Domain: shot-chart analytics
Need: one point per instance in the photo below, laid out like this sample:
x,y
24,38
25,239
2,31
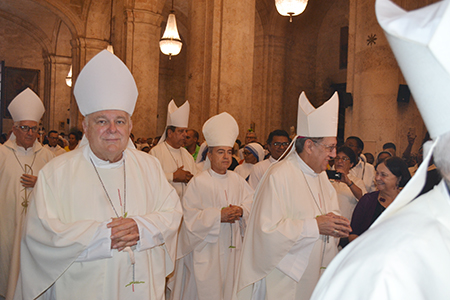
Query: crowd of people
x,y
105,216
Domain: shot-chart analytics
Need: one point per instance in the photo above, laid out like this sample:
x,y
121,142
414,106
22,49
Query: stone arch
x,y
66,14
31,29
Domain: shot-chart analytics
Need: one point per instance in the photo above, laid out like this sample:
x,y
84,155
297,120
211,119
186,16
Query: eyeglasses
x,y
337,158
279,144
26,128
247,153
329,148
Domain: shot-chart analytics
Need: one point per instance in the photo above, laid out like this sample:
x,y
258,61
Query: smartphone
x,y
333,174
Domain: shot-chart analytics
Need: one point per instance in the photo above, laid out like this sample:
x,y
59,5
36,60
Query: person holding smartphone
x,y
349,188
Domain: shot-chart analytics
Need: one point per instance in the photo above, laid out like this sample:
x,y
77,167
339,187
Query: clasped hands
x,y
181,175
231,214
124,233
28,180
334,225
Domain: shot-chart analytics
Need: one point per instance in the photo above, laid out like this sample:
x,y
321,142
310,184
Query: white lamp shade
x,y
69,77
290,7
170,43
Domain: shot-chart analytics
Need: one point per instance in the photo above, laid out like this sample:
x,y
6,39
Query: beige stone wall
x,y
373,79
328,44
19,50
238,56
312,55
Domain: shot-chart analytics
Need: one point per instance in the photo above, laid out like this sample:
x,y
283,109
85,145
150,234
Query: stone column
x,y
268,80
142,34
220,60
373,77
57,93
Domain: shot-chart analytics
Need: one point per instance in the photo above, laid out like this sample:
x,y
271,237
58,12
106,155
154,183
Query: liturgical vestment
x,y
208,249
171,159
283,253
66,248
14,198
406,256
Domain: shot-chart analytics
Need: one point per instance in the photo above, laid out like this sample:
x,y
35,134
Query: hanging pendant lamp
x,y
69,77
170,44
290,8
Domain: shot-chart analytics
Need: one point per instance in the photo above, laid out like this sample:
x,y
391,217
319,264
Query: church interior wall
x,y
20,50
373,79
328,71
286,58
301,59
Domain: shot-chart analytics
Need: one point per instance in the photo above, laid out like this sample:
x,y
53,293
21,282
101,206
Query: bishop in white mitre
x,y
295,223
21,158
103,220
216,206
177,163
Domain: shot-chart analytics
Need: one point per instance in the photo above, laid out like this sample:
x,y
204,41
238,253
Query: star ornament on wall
x,y
371,39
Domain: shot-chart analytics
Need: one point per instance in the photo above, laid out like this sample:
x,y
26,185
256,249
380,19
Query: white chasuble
x,y
171,159
14,199
66,252
209,250
405,256
283,253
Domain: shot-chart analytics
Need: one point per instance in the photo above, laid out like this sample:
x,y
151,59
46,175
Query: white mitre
x,y
105,83
317,122
220,130
27,106
176,116
420,40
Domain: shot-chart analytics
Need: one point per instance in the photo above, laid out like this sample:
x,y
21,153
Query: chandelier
x,y
69,77
170,44
290,8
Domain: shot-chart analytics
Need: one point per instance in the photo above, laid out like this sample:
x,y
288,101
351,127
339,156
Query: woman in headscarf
x,y
253,153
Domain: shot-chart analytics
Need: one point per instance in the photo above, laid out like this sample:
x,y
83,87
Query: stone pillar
x,y
142,34
57,93
373,77
220,60
268,80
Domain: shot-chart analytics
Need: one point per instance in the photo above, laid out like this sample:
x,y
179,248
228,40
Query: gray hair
x,y
300,142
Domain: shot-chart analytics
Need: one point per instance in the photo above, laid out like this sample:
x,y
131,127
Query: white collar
x,y
305,168
100,163
172,148
215,174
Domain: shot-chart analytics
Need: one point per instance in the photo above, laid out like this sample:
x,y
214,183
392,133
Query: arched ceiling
x,y
42,19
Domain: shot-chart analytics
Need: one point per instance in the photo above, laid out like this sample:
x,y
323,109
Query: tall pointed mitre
x,y
27,106
220,130
420,40
317,122
176,116
105,83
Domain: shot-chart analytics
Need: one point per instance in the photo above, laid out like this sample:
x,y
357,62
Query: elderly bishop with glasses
x,y
295,223
21,158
